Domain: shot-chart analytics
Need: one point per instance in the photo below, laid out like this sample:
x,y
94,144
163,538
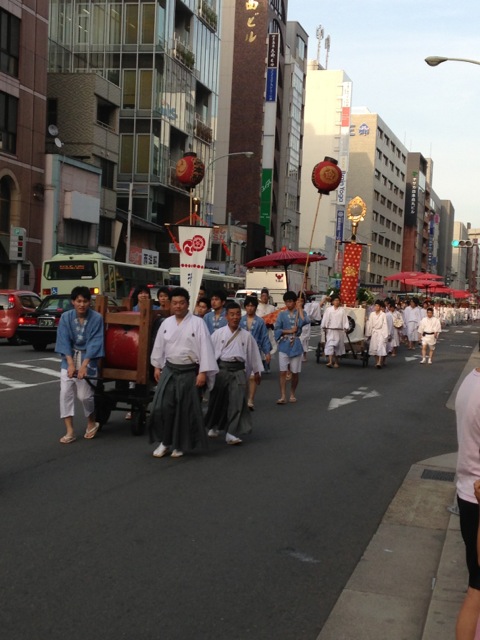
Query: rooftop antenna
x,y
320,34
327,49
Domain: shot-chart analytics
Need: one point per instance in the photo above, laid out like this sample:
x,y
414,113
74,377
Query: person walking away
x,y
80,342
215,319
467,410
238,356
184,362
428,331
334,324
288,328
258,329
377,330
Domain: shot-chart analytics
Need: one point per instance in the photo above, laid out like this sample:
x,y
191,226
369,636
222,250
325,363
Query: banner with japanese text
x,y
194,246
350,273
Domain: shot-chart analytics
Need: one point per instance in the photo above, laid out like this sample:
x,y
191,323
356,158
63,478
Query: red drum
x,y
121,347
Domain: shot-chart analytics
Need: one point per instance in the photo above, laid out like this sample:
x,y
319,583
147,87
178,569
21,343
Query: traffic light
x,y
20,248
462,244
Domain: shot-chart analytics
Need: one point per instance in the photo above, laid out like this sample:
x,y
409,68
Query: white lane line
x,y
14,384
18,365
21,385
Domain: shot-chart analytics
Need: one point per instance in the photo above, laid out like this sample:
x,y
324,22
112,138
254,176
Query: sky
x,y
381,45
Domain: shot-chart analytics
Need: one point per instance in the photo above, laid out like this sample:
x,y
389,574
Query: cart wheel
x,y
102,411
139,420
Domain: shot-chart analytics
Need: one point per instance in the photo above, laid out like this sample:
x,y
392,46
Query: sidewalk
x,y
412,577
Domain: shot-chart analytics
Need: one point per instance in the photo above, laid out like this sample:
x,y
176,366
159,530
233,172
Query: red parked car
x,y
13,304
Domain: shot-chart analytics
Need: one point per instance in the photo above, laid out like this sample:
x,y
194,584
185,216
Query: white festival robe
x,y
242,348
431,326
335,323
412,317
185,343
377,331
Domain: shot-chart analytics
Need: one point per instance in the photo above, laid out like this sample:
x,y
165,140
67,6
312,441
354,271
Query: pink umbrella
x,y
284,258
458,293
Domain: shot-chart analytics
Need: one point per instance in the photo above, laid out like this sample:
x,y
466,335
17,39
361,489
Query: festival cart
x,y
356,346
125,382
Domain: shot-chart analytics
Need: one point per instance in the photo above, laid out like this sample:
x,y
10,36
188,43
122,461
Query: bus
x,y
99,273
212,280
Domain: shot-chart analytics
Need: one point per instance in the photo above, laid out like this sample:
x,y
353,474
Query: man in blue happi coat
x,y
257,327
80,342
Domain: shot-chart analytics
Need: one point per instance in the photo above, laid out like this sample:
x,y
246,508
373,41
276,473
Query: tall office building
x,y
23,84
164,57
262,73
326,133
377,173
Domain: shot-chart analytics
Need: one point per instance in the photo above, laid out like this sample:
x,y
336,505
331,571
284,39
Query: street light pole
x,y
208,181
434,61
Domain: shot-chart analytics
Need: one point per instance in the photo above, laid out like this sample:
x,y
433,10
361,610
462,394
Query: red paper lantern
x,y
326,175
190,170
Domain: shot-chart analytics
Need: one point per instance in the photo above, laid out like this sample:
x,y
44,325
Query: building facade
x,y
163,57
377,173
23,91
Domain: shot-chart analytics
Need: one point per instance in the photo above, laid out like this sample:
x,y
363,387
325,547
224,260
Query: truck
x,y
275,280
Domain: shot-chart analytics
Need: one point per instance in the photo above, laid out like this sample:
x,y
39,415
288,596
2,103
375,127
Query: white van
x,y
241,294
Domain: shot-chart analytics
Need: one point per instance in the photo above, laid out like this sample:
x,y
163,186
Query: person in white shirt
x,y
238,357
428,331
335,324
264,308
412,316
184,362
467,409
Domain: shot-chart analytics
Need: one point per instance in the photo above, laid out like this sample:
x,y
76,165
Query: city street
x,y
101,540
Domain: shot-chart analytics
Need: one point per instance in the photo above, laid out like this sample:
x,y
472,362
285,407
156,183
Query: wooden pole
x,y
311,241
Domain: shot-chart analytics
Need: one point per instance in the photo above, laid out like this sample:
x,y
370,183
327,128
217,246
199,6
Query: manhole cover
x,y
446,476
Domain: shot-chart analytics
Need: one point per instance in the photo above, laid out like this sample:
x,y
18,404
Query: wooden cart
x,y
127,369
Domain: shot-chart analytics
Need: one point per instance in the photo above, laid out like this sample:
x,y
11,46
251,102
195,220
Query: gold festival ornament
x,y
356,212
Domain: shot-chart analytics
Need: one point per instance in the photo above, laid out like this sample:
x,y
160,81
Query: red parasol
x,y
411,275
283,258
458,293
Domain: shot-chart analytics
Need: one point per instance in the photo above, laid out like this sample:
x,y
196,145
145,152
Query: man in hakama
x,y
428,331
335,324
238,357
80,342
377,330
184,362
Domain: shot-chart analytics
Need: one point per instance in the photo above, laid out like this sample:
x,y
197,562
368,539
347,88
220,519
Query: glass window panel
x,y
145,90
128,101
126,153
143,154
98,24
115,24
131,24
148,23
82,23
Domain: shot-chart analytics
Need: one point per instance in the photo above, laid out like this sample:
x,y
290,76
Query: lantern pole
x,y
311,242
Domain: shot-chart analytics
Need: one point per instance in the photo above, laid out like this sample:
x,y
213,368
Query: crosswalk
x,y
28,373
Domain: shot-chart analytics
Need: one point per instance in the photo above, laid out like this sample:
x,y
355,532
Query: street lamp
x,y
434,61
208,181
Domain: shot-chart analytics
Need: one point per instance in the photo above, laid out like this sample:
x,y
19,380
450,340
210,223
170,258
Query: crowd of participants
x,y
217,355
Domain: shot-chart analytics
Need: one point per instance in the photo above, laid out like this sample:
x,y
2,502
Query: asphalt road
x,y
101,540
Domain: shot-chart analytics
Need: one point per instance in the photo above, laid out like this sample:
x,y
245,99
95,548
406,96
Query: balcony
x,y
183,53
203,131
207,15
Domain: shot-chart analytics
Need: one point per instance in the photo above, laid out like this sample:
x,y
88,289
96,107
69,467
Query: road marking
x,y
362,393
21,385
15,384
19,365
462,331
410,358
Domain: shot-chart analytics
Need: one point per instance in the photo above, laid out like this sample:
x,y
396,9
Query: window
x,y
131,23
389,204
387,243
380,240
126,153
9,43
105,231
375,216
143,154
388,224
392,264
391,165
8,123
382,220
382,199
379,279
380,260
377,174
108,174
394,226
376,195
5,202
374,236
373,257
371,277
128,100
379,154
